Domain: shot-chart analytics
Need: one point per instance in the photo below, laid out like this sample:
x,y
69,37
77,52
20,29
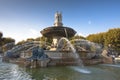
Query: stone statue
x,y
58,19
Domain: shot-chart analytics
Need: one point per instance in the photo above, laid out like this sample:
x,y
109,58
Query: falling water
x,y
80,67
0,58
78,60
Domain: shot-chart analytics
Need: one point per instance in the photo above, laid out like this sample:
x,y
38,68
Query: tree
x,y
97,38
112,37
1,34
30,40
7,43
21,42
77,37
4,41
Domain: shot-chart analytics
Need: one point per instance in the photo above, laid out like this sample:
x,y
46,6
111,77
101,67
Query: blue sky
x,y
22,19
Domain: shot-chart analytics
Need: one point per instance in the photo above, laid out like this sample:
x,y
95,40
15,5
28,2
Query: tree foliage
x,y
42,39
5,40
6,43
1,34
112,37
97,38
77,37
21,42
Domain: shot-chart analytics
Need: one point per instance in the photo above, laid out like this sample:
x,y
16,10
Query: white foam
x,y
81,70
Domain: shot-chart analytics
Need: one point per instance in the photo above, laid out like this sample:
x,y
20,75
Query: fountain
x,y
70,47
57,31
62,51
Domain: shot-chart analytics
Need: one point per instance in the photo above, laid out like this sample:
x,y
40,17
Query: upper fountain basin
x,y
58,31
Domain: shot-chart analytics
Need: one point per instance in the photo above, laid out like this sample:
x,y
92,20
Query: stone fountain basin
x,y
60,54
61,58
58,31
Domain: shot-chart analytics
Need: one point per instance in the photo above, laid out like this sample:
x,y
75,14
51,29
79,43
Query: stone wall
x,y
60,54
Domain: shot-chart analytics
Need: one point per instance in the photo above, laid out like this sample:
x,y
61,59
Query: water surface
x,y
96,72
10,71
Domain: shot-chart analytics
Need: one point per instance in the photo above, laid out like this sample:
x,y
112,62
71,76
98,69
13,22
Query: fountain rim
x,y
57,29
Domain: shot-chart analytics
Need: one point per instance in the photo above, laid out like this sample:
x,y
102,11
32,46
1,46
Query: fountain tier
x,y
58,30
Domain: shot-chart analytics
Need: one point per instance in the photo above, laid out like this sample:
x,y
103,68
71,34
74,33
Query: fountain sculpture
x,y
58,30
59,33
62,51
